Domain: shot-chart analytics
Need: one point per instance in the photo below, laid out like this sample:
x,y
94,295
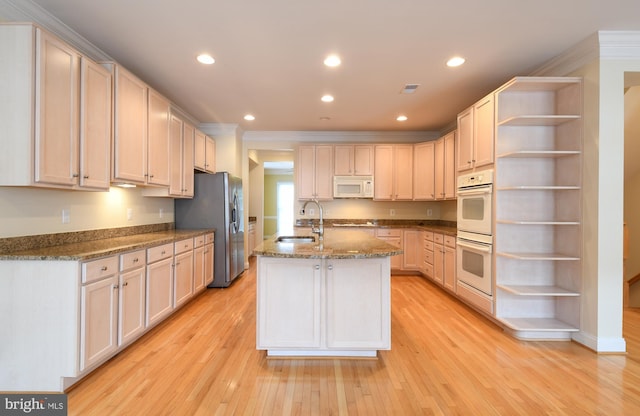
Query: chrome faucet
x,y
320,229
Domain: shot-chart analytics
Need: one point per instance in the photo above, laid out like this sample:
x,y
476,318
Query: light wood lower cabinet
x,y
392,236
183,272
294,295
159,283
132,293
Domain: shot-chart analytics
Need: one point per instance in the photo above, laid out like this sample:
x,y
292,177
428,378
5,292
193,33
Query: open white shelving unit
x,y
538,216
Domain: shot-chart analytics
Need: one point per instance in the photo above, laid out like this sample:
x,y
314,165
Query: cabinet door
x,y
183,278
449,268
413,248
95,125
187,160
439,168
131,320
130,136
424,173
98,321
198,269
56,138
305,172
465,139
288,303
483,120
449,168
208,264
159,291
175,161
324,172
363,159
383,176
210,152
353,320
199,150
343,158
403,172
438,263
158,140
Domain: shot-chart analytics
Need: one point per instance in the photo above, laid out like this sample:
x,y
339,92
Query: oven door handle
x,y
476,191
477,247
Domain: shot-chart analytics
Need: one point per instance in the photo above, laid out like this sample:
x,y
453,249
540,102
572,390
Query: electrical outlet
x,y
312,211
392,212
66,216
129,214
429,212
161,213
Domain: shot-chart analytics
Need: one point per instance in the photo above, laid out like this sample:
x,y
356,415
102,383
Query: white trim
x,y
341,136
619,44
218,129
601,345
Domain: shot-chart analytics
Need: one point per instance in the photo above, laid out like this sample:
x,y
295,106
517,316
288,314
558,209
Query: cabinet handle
x,y
125,284
136,260
330,267
104,268
115,287
150,176
75,175
316,267
163,252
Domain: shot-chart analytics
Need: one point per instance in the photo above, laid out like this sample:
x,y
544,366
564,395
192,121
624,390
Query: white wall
x,y
29,211
632,219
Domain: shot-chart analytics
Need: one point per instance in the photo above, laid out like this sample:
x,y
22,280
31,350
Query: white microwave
x,y
353,186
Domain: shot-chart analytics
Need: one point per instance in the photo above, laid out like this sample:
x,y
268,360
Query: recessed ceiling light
x,y
455,61
401,118
327,98
332,60
325,118
205,59
249,117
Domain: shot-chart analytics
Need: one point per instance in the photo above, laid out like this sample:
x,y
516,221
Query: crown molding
x,y
619,44
572,59
28,11
342,136
219,129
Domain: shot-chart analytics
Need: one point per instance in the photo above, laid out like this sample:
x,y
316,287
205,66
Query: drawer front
x,y
199,241
428,235
160,252
132,260
428,245
428,269
428,257
438,238
389,232
209,238
98,269
450,241
183,245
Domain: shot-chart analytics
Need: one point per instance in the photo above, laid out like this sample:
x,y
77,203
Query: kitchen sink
x,y
296,239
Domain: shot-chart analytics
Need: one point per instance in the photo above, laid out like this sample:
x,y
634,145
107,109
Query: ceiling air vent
x,y
409,88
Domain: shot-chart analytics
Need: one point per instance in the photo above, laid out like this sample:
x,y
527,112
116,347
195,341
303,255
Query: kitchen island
x,y
329,297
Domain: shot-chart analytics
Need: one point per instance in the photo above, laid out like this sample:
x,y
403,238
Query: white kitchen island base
x,y
323,307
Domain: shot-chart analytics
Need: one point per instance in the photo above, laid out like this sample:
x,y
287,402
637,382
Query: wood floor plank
x,y
445,360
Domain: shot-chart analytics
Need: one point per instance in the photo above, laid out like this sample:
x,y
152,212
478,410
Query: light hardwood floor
x,y
445,359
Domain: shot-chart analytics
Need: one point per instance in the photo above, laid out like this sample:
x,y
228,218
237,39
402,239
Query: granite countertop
x,y
444,227
337,244
103,247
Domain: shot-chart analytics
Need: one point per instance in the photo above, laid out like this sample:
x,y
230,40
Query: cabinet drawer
x,y
132,260
428,269
209,238
438,238
199,241
388,232
160,252
99,269
428,235
183,245
428,257
450,241
428,245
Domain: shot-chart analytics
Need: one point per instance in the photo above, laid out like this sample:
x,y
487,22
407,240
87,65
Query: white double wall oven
x,y
475,235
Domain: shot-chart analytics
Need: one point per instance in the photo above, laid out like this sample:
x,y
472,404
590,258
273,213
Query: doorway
x,y
285,215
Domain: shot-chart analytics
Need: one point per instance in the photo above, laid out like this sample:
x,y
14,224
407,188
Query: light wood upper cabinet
x,y
314,172
393,178
476,135
130,140
424,172
55,113
187,160
445,169
158,140
204,153
353,160
95,125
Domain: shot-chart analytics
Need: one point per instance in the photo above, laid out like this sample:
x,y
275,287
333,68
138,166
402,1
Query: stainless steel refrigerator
x,y
217,203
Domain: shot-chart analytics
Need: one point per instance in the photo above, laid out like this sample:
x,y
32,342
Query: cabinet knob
x,y
136,260
115,287
125,284
86,176
104,268
75,175
316,267
330,267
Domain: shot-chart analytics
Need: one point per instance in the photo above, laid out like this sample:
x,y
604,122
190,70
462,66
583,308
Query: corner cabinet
x,y
538,206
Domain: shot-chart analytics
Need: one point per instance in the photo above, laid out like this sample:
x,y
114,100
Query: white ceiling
x,y
269,53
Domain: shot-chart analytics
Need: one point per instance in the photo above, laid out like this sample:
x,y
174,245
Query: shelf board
x,y
523,290
538,120
539,188
537,324
537,256
539,154
527,83
521,222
